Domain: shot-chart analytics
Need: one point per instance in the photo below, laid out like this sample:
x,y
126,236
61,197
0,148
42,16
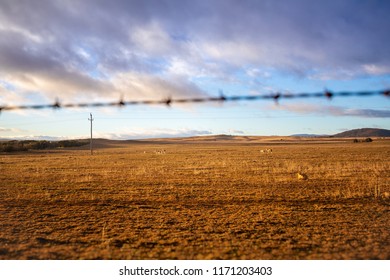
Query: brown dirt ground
x,y
198,201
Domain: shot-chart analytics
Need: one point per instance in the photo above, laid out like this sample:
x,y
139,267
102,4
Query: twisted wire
x,y
222,98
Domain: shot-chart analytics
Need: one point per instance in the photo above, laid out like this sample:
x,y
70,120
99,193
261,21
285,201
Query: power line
x,y
169,101
91,120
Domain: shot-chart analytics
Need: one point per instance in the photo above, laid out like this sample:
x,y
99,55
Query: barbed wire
x,y
221,98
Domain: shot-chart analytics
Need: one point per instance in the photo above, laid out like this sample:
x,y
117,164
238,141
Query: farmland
x,y
198,200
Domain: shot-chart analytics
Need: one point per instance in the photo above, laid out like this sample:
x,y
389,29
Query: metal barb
x,y
121,103
56,105
168,101
222,98
276,96
328,94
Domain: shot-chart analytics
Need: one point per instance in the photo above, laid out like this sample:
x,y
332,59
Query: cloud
x,y
376,69
87,49
8,130
134,133
39,137
38,69
234,131
140,133
367,113
153,40
306,108
140,85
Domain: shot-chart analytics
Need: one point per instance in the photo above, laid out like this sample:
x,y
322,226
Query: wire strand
x,y
169,101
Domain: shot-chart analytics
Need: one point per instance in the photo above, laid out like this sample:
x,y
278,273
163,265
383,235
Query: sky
x,y
104,51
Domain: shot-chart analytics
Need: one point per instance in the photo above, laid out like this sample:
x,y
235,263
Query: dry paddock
x,y
197,201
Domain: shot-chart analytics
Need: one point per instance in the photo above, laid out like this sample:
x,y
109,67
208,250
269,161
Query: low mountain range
x,y
364,132
361,132
310,135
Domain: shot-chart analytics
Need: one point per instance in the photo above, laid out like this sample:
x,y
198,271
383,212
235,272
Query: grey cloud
x,y
42,69
335,111
368,113
84,45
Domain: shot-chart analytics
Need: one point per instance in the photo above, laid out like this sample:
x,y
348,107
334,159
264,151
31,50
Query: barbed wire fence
x,y
221,98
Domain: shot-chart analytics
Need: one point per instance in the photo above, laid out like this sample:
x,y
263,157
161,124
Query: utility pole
x,y
91,119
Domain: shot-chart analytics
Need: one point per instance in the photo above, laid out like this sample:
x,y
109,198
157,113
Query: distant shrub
x,y
8,148
368,140
41,145
71,143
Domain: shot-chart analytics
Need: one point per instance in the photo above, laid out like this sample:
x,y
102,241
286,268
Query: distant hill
x,y
215,138
207,138
364,132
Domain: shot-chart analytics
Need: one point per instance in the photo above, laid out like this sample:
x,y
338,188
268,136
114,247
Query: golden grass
x,y
198,201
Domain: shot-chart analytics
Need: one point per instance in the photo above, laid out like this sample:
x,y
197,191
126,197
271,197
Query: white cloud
x,y
375,69
152,40
142,133
233,52
256,73
235,131
8,97
10,130
39,137
138,85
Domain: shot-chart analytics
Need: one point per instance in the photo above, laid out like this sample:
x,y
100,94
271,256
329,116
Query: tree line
x,y
26,145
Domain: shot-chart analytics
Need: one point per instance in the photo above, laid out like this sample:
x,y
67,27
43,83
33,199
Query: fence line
x,y
221,98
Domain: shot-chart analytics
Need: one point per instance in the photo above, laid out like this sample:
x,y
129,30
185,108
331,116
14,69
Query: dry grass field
x,y
204,200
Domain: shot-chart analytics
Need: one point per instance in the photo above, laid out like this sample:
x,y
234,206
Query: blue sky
x,y
92,51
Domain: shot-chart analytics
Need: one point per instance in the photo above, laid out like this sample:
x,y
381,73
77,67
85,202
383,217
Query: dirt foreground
x,y
198,201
